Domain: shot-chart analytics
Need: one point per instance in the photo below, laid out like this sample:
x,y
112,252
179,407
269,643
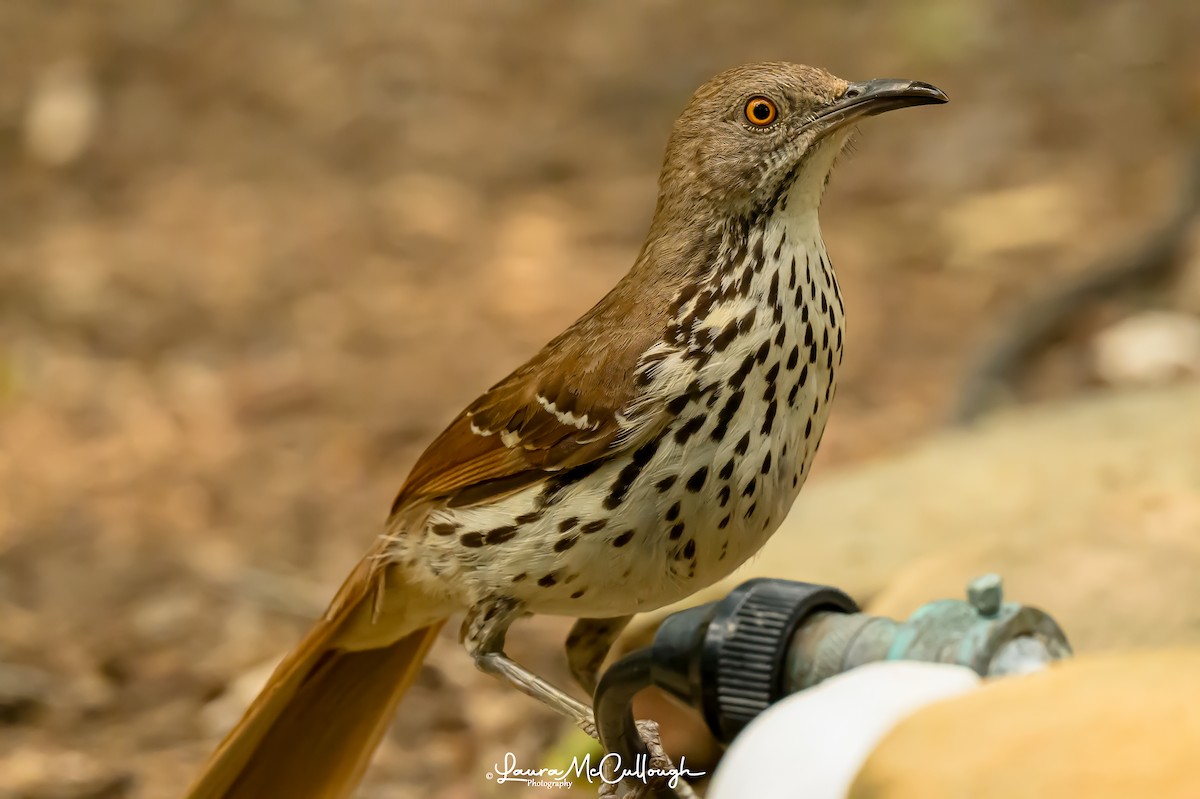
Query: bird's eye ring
x,y
761,111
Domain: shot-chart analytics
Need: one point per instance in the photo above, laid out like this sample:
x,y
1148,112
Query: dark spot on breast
x,y
750,511
529,518
726,415
766,466
625,480
808,335
562,480
683,297
623,539
763,352
689,549
804,375
769,418
812,353
677,405
593,527
747,321
689,427
723,496
445,528
792,280
643,454
773,289
665,484
547,581
808,428
727,470
724,523
673,512
500,535
567,524
726,336
769,394
780,335
578,593
520,577
773,372
750,488
696,481
745,283
743,444
565,543
676,532
471,540
793,357
739,377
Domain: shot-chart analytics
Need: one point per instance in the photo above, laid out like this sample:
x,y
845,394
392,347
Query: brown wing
x,y
556,412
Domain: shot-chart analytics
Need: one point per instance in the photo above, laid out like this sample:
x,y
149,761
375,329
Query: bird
x,y
644,453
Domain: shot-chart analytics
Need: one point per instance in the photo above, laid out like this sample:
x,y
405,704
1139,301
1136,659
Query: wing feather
x,y
568,406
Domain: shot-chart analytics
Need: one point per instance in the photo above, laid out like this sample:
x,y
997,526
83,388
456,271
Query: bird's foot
x,y
654,780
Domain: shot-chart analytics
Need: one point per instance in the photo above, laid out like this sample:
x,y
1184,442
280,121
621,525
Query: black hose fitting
x,y
727,658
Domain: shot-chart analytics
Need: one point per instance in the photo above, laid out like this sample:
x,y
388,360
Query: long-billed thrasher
x,y
643,454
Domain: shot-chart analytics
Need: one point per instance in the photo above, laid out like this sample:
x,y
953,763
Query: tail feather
x,y
311,732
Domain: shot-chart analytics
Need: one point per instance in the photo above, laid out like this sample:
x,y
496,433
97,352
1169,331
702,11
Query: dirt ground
x,y
255,253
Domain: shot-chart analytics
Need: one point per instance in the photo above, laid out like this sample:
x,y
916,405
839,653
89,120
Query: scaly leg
x,y
483,634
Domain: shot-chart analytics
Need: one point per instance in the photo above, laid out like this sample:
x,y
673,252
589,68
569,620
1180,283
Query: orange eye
x,y
761,111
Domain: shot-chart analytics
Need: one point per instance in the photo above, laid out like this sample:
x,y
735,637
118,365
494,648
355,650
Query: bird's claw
x,y
659,763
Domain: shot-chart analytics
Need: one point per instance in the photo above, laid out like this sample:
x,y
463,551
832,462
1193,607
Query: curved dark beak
x,y
872,97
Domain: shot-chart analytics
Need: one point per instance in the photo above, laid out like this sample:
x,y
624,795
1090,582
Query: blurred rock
x,y
22,693
30,773
62,114
1105,728
1148,349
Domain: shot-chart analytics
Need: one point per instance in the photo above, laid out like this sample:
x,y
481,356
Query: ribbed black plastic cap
x,y
745,649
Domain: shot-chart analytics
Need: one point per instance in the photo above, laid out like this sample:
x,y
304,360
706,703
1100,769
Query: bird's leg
x,y
483,634
588,644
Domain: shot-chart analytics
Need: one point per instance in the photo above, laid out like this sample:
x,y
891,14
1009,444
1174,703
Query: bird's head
x,y
757,131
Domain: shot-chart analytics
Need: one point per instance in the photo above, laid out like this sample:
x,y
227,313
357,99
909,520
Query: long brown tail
x,y
313,729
